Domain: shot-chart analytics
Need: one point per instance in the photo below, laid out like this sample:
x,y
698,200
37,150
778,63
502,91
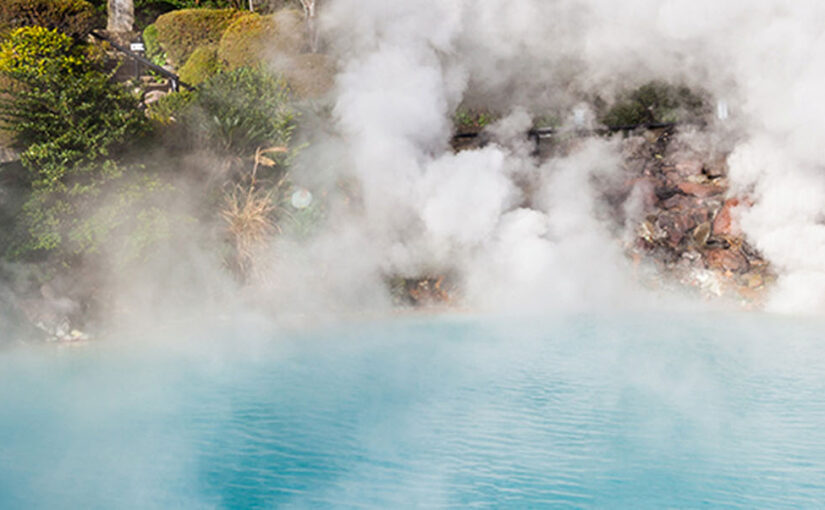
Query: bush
x,y
169,108
655,102
153,50
63,110
249,37
240,110
75,18
202,65
181,32
114,210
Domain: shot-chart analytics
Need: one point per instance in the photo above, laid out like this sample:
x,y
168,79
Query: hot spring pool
x,y
576,412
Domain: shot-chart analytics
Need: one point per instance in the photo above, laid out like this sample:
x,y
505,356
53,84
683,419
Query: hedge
x,y
251,37
180,33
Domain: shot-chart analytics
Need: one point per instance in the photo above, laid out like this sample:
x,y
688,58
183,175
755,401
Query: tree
x,y
312,29
61,106
121,16
68,118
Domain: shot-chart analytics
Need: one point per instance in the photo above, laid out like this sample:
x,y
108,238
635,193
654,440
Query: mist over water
x,y
580,412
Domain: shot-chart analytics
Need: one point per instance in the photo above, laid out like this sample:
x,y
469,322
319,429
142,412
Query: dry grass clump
x,y
248,213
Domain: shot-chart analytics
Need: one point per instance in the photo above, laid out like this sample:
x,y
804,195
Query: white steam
x,y
517,231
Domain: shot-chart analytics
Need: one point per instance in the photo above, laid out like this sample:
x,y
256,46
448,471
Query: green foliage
x,y
63,110
250,36
181,32
240,110
655,102
153,50
66,115
202,65
466,118
36,53
75,18
170,5
112,209
170,107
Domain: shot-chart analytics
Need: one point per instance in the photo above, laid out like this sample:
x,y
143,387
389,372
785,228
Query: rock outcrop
x,y
685,219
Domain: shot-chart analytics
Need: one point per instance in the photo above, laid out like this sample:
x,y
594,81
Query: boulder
x,y
699,189
153,96
689,166
726,260
723,222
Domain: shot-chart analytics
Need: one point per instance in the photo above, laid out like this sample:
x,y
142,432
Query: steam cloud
x,y
518,232
405,66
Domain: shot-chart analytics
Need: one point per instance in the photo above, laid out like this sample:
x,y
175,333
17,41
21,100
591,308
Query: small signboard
x,y
137,46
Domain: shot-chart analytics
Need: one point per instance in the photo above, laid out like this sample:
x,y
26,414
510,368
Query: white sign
x,y
137,46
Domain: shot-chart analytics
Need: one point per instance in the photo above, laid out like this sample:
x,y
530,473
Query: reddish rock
x,y
723,223
678,227
726,260
645,188
699,189
700,215
680,202
688,167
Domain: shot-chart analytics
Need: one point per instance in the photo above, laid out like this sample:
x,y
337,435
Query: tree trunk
x,y
312,29
121,16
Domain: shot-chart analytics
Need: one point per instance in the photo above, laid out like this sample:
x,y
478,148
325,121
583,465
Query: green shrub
x,y
240,110
170,107
181,32
75,18
63,110
201,65
472,119
655,102
36,53
153,50
250,37
114,210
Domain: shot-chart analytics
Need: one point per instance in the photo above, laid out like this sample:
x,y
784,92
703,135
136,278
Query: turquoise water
x,y
577,412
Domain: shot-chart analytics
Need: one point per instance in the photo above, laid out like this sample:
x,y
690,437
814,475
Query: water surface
x,y
575,412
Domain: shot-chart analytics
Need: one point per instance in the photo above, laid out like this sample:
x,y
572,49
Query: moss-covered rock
x,y
252,38
181,32
201,65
